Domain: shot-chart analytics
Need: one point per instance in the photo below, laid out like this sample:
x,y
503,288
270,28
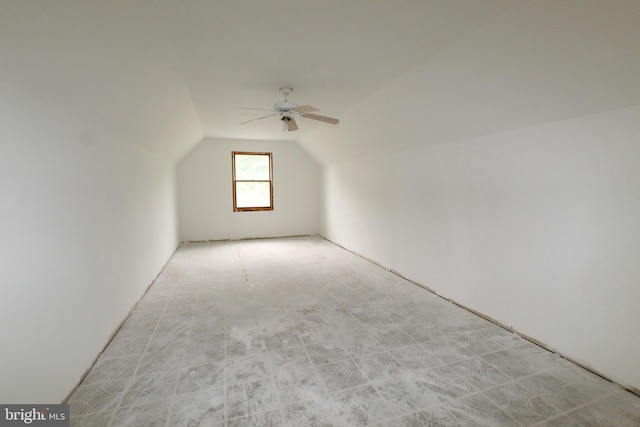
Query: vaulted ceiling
x,y
165,73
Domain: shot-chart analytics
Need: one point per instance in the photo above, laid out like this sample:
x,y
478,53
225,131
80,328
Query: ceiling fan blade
x,y
321,118
304,109
292,125
259,118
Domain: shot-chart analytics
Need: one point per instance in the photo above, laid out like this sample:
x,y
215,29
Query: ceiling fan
x,y
287,111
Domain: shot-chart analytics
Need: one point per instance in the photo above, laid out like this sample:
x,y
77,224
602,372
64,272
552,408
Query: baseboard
x,y
116,330
540,344
239,239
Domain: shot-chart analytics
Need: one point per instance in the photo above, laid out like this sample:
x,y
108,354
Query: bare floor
x,y
299,332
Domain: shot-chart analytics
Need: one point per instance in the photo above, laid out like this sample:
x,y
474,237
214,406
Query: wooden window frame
x,y
234,181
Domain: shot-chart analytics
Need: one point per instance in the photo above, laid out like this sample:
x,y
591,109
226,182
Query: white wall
x,y
87,222
538,228
503,173
205,198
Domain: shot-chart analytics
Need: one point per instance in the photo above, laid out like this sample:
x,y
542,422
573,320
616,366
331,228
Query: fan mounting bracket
x,y
286,90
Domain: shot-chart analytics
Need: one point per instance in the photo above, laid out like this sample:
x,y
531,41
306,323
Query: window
x,y
252,181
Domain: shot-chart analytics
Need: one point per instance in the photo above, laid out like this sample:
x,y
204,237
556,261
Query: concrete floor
x,y
299,332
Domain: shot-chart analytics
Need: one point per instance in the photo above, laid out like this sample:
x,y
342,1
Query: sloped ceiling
x,y
539,62
332,52
106,62
165,73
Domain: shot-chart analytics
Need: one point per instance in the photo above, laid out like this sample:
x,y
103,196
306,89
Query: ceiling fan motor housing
x,y
284,105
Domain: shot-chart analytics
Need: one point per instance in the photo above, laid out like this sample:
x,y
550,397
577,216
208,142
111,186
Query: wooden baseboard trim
x,y
532,340
115,331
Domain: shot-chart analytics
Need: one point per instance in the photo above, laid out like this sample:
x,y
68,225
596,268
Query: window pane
x,y
252,167
253,195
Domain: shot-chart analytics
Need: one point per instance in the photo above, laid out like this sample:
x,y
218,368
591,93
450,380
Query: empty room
x,y
320,213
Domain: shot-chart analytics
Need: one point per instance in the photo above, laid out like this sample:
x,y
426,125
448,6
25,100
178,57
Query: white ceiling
x,y
165,73
539,62
332,52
